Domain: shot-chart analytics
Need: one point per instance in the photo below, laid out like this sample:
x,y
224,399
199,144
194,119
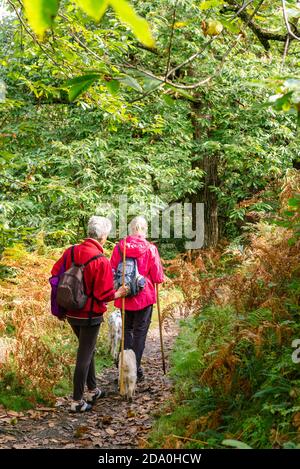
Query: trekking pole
x,y
123,323
160,330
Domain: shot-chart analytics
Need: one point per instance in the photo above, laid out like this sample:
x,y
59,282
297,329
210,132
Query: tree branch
x,y
171,41
262,35
287,24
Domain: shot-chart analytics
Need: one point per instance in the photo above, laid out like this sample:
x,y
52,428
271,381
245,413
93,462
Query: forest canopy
x,y
93,108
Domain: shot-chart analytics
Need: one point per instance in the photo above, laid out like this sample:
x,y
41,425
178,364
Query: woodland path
x,y
113,422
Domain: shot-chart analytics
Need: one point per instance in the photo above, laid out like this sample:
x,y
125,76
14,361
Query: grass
x,y
15,396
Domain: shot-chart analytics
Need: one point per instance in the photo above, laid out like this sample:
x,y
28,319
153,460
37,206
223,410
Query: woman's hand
x,y
122,291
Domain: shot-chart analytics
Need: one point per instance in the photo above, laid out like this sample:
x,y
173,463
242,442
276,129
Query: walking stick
x,y
123,323
160,331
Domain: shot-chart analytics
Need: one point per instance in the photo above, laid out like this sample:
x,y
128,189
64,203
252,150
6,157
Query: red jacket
x,y
149,265
98,271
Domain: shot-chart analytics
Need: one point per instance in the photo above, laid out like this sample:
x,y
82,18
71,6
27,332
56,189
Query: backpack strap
x,y
72,254
120,252
93,259
92,289
92,302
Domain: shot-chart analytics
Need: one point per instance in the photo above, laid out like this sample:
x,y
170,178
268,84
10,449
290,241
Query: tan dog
x,y
129,373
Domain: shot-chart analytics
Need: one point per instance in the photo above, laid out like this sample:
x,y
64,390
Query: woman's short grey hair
x,y
138,226
99,227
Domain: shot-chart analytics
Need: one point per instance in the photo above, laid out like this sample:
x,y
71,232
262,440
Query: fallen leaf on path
x,y
69,446
110,431
85,443
95,434
6,438
105,419
12,413
80,431
34,414
46,409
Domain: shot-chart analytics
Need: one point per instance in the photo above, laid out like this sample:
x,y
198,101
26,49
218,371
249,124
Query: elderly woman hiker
x,y
85,322
138,307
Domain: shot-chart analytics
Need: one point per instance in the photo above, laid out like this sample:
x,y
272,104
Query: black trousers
x,y
85,372
136,327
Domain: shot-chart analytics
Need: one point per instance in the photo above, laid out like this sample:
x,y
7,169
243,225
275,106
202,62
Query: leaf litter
x,y
113,422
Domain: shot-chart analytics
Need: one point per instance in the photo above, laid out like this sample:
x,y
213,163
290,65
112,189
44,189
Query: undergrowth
x,y
235,381
37,352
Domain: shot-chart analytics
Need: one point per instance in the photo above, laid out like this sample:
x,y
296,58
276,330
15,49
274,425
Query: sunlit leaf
x,y
139,25
293,11
94,8
207,4
41,14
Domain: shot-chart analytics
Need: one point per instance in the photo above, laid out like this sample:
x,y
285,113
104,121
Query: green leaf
x,y
41,14
82,79
113,86
132,83
283,103
207,4
293,11
139,25
232,26
80,84
236,444
294,202
93,8
183,93
168,100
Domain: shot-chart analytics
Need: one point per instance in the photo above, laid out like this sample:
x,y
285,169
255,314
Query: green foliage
x,y
94,9
138,25
236,444
257,407
60,161
80,84
291,218
41,15
15,396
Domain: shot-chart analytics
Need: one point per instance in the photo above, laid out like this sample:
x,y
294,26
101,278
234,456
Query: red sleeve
x,y
104,283
115,258
57,266
156,270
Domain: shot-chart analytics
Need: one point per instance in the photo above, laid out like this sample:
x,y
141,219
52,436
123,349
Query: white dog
x,y
115,333
129,373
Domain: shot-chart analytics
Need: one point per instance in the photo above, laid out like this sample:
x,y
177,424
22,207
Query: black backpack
x,y
71,291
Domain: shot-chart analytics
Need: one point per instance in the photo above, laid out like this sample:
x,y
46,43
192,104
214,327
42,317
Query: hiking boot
x,y
93,396
80,406
140,375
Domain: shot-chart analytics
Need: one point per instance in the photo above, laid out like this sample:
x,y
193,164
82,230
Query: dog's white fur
x,y
129,373
115,333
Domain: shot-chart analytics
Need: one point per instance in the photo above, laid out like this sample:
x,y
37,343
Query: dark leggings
x,y
136,327
85,372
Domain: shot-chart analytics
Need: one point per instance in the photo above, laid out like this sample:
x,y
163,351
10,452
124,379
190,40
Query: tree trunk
x,y
209,164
